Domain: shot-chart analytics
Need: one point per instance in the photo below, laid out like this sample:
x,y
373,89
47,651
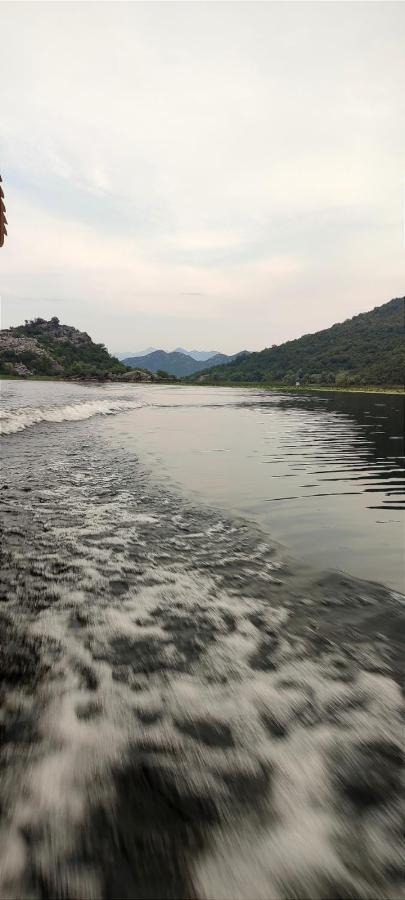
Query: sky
x,y
213,175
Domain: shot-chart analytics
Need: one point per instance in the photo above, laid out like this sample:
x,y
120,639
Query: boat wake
x,y
185,713
13,421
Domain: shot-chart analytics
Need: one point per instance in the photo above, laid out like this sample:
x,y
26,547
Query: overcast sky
x,y
214,175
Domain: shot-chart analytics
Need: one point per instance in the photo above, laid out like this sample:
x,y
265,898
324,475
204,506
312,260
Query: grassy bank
x,y
305,388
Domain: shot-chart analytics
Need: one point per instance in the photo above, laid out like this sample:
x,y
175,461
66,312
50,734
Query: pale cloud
x,y
228,171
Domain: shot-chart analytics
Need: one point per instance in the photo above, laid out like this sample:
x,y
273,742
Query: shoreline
x,y
255,385
293,389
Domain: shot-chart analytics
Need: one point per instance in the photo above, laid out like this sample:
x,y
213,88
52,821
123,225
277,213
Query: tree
x,y
289,377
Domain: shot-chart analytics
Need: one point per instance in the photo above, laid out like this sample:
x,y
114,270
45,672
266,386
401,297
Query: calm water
x,y
194,704
323,473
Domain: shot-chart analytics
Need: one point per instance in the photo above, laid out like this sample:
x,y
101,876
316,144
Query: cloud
x,y
254,150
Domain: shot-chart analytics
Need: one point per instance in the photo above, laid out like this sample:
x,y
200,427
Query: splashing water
x,y
13,421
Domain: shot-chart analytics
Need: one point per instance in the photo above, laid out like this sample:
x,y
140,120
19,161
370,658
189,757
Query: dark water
x,y
188,708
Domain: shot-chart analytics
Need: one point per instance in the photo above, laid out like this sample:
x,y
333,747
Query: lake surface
x,y
322,473
201,643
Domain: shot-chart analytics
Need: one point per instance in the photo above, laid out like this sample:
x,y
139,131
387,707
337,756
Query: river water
x,y
202,621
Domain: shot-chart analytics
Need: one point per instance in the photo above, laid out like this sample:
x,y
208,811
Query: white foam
x,y
20,419
143,519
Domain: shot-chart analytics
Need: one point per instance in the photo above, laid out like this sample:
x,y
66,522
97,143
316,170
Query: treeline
x,y
92,363
80,359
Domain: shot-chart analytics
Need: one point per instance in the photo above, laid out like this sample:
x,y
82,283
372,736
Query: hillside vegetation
x,y
367,349
41,347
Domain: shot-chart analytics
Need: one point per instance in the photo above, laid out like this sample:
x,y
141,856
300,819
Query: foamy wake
x,y
182,716
12,421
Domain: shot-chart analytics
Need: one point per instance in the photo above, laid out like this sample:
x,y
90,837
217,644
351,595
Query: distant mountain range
x,y
195,354
367,349
177,363
138,353
201,355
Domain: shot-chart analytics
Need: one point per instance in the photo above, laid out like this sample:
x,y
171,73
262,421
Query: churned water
x,y
195,702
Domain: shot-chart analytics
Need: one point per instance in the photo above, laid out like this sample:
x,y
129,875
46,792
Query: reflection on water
x,y
322,473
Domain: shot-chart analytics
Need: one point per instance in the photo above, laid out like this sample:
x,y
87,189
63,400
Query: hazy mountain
x,y
136,353
195,354
367,349
201,355
176,363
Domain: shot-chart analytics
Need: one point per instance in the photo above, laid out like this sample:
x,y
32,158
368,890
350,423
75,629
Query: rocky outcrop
x,y
58,332
21,369
41,347
136,375
18,350
19,344
48,348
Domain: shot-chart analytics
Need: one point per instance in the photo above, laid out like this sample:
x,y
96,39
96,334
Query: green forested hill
x,y
43,347
367,349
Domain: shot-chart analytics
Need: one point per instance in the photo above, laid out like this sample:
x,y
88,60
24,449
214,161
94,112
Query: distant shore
x,y
256,385
304,388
